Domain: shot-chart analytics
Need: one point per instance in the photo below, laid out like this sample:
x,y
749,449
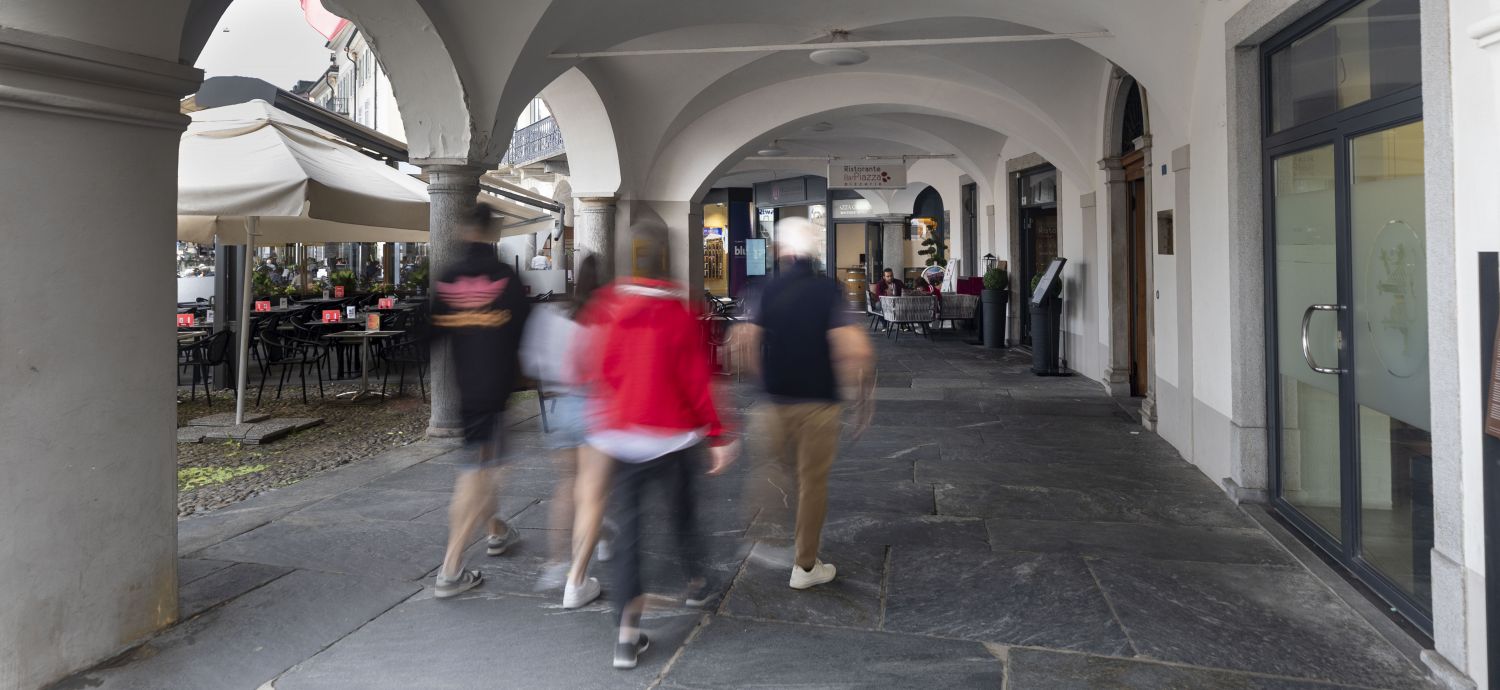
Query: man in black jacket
x,y
478,313
805,345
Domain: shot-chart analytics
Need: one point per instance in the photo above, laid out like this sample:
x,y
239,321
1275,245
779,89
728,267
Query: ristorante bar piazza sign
x,y
867,175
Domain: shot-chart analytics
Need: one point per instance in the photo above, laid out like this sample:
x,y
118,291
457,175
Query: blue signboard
x,y
755,257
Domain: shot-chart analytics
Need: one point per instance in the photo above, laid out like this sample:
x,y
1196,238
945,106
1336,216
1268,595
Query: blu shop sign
x,y
867,175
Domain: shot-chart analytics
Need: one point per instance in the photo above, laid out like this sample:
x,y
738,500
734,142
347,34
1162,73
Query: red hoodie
x,y
648,366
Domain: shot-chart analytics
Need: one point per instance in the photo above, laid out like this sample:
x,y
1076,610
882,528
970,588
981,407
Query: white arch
x,y
691,158
428,91
588,134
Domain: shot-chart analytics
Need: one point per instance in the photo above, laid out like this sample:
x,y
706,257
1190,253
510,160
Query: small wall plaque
x,y
1164,232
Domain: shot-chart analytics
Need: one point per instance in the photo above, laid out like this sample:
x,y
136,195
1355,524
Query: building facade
x,y
1279,218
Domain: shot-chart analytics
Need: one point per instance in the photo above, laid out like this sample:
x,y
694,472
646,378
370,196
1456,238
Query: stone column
x,y
594,232
1117,193
893,232
692,271
453,190
88,486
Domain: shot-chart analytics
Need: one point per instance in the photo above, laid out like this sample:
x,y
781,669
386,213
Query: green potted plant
x,y
347,279
262,287
416,278
935,249
994,299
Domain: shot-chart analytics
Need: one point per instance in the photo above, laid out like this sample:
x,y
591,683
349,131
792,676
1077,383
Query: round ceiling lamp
x,y
772,151
838,57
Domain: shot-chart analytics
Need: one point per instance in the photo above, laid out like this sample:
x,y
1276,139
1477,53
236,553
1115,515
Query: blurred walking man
x,y
478,313
804,344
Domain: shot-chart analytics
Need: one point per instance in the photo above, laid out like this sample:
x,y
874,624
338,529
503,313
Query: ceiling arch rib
x,y
694,157
588,133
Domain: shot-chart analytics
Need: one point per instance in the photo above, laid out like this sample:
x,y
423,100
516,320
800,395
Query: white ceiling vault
x,y
667,127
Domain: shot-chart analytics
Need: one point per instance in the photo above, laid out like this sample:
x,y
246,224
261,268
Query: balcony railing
x,y
535,142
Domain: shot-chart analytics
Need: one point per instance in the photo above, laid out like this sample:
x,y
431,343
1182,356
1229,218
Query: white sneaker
x,y
819,574
580,596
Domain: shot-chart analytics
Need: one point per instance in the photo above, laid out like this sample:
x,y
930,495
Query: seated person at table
x,y
887,285
929,288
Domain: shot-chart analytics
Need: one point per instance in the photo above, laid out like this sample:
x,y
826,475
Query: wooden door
x,y
1140,288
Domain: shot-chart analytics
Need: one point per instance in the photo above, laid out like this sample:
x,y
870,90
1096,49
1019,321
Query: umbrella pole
x,y
244,355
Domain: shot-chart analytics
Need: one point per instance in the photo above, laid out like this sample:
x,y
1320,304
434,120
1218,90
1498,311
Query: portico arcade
x,y
86,489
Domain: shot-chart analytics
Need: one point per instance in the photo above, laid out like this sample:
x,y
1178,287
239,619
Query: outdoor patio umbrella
x,y
254,167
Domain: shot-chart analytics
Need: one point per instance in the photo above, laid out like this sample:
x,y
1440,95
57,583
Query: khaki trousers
x,y
798,445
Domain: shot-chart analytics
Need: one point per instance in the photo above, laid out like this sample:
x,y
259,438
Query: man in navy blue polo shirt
x,y
805,345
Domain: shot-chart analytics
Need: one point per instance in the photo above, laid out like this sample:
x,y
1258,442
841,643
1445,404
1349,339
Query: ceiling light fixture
x,y
838,57
772,151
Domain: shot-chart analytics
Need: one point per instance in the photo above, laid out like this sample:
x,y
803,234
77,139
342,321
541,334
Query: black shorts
x,y
481,430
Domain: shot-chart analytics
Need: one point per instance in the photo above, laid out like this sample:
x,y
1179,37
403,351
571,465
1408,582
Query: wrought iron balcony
x,y
535,142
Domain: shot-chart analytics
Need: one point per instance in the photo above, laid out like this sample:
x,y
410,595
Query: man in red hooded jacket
x,y
649,375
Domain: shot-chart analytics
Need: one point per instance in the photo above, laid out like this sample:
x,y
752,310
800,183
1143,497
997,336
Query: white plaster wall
x,y
1209,249
1475,92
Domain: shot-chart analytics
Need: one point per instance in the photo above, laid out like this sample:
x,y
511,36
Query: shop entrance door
x,y
1347,268
1038,249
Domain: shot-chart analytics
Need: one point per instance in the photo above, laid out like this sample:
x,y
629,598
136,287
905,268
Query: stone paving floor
x,y
994,530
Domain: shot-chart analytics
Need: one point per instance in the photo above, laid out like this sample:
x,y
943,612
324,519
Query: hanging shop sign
x,y
867,175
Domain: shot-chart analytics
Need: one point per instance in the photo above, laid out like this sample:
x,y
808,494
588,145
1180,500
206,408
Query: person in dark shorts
x,y
478,313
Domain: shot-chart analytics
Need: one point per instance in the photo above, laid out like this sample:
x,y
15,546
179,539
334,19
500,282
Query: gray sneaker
x,y
496,546
454,586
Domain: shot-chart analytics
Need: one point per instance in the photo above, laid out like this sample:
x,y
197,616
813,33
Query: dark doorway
x,y
1140,293
969,202
1037,192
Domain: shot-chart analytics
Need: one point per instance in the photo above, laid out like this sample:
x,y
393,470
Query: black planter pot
x,y
993,304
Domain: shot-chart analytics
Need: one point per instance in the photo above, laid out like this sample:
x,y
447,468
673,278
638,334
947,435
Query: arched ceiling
x,y
463,70
499,52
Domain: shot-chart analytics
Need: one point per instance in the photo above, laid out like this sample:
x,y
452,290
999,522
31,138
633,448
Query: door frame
x,y
1338,130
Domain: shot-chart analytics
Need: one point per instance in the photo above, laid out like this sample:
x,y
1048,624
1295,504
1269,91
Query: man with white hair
x,y
804,344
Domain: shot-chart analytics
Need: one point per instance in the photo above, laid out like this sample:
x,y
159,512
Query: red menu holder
x,y
186,320
332,315
372,322
386,303
338,292
263,305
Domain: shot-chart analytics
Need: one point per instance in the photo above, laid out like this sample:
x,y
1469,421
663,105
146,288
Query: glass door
x,y
1387,253
1350,378
1346,283
1308,335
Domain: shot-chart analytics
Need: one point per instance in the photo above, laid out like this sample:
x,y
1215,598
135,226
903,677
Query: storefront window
x,y
1371,50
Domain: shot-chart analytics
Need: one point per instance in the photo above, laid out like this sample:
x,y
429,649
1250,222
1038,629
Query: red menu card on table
x,y
186,320
386,303
262,305
332,315
372,322
338,292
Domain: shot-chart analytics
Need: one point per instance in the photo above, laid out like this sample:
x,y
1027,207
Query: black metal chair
x,y
407,350
279,349
203,356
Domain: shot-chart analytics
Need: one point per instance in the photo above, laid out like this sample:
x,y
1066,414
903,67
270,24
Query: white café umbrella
x,y
250,165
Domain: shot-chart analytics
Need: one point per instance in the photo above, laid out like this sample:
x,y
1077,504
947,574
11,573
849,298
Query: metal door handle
x,y
1307,344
